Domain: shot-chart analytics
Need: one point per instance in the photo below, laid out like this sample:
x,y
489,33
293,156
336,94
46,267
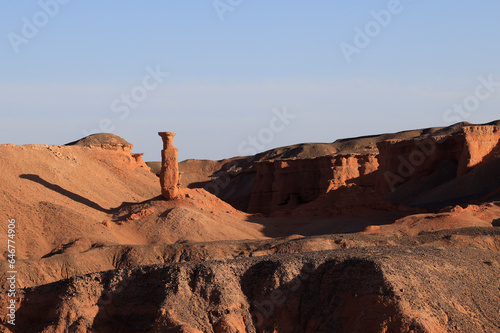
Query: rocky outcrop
x,y
437,158
81,257
482,144
383,289
287,183
104,141
169,174
112,144
402,167
232,180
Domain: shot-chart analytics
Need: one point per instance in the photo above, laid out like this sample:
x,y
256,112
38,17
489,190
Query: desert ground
x,y
395,232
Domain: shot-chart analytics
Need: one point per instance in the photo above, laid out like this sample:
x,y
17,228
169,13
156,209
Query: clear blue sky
x,y
228,78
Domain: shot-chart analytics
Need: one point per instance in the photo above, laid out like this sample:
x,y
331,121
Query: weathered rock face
x,y
482,143
169,174
115,146
444,156
387,289
104,141
288,183
410,163
232,179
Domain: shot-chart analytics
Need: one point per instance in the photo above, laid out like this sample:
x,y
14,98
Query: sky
x,y
237,77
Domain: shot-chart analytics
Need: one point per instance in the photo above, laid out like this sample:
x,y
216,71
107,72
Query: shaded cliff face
x,y
232,179
287,184
376,290
429,168
440,170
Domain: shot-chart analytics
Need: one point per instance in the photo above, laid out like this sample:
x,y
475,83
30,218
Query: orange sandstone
x,y
169,174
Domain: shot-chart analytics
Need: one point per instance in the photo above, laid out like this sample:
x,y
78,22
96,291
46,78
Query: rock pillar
x,y
169,174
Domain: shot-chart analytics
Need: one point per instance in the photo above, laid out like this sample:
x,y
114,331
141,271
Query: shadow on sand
x,y
78,198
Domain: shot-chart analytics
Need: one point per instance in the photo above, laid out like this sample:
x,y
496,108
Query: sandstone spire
x,y
169,175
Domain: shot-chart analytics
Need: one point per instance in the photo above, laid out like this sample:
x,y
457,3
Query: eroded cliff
x,y
285,184
402,168
378,290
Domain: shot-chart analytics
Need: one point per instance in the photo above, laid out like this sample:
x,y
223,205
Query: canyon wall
x,y
402,171
285,184
436,159
482,144
401,167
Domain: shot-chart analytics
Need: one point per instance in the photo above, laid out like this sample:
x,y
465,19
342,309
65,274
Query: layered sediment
x,y
285,184
169,174
383,289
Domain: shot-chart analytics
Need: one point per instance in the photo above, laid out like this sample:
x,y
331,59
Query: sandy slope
x,y
62,194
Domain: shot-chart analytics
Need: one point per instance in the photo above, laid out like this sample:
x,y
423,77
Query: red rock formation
x,y
400,161
169,175
288,183
481,143
365,289
430,160
403,160
118,149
